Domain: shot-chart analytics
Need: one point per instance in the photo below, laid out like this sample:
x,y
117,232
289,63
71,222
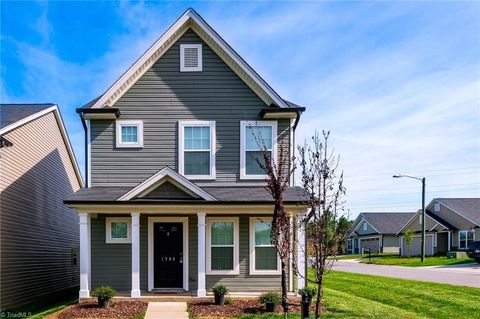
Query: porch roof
x,y
223,195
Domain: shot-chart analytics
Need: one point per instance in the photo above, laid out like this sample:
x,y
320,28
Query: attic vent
x,y
190,57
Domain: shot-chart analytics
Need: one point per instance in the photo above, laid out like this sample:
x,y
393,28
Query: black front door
x,y
168,255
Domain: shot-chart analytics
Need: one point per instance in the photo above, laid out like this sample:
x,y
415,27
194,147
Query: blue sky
x,y
396,83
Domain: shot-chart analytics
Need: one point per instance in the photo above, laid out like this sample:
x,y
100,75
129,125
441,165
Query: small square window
x,y
129,133
190,57
117,230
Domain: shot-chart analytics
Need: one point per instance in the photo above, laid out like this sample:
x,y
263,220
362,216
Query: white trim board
x,y
63,131
190,19
151,221
157,179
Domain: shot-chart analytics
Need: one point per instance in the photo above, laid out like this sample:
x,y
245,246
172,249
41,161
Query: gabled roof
x,y
190,20
383,222
12,113
165,174
469,208
13,116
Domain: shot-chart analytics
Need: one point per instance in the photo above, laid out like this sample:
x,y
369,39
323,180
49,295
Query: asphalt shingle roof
x,y
467,207
222,194
11,113
388,223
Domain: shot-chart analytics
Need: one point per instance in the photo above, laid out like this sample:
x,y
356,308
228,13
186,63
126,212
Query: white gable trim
x,y
190,19
365,221
63,131
157,179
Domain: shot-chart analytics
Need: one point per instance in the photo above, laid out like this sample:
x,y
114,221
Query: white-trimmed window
x,y
465,238
222,246
264,259
437,207
196,153
190,57
365,226
255,138
129,133
349,244
118,230
420,219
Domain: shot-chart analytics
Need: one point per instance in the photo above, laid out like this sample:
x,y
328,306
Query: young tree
x,y
326,191
278,172
408,239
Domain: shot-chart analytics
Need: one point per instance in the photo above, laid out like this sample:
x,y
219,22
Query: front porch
x,y
132,266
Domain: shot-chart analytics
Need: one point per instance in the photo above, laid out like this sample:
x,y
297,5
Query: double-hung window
x,y
117,230
465,238
263,255
222,246
349,244
129,133
197,149
256,137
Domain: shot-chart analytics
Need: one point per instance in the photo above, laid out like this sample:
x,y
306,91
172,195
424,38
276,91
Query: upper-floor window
x,y
129,133
190,57
256,137
365,226
466,237
197,149
437,207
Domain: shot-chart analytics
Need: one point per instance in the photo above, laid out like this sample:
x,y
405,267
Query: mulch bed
x,y
206,308
117,309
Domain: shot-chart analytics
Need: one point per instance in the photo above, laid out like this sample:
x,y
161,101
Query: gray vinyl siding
x,y
368,231
37,232
162,97
111,263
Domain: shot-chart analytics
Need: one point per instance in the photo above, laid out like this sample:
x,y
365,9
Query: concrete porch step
x,y
170,310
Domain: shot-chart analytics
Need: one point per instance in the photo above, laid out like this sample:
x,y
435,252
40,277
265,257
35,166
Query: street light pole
x,y
423,211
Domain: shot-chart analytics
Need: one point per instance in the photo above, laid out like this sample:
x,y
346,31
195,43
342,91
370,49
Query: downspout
x,y
87,182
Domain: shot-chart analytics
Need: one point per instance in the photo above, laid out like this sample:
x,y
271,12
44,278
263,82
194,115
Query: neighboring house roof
x,y
13,116
12,113
468,208
222,195
383,222
439,220
190,20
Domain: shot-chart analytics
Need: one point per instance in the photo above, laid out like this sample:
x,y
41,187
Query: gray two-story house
x,y
175,198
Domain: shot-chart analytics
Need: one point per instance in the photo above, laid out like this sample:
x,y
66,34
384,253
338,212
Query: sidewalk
x,y
166,310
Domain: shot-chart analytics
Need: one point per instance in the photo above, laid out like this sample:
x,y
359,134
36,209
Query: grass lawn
x,y
415,261
53,308
350,295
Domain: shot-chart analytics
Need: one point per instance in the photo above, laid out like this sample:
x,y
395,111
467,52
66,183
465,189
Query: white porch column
x,y
301,252
135,293
84,256
201,292
290,259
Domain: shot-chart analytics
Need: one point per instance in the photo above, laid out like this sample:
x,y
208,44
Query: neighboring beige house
x,y
376,232
38,234
451,224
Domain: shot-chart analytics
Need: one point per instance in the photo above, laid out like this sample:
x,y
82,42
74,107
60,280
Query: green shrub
x,y
220,290
104,292
270,297
309,292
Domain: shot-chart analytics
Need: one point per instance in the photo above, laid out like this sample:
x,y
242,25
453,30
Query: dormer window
x,y
196,154
365,226
437,207
129,133
190,57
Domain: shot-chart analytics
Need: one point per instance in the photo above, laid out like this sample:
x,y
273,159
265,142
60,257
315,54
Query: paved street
x,y
461,275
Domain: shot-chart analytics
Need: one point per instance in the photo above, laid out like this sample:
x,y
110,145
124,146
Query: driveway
x,y
460,275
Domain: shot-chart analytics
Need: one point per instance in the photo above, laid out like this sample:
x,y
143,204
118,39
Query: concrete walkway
x,y
460,275
167,310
